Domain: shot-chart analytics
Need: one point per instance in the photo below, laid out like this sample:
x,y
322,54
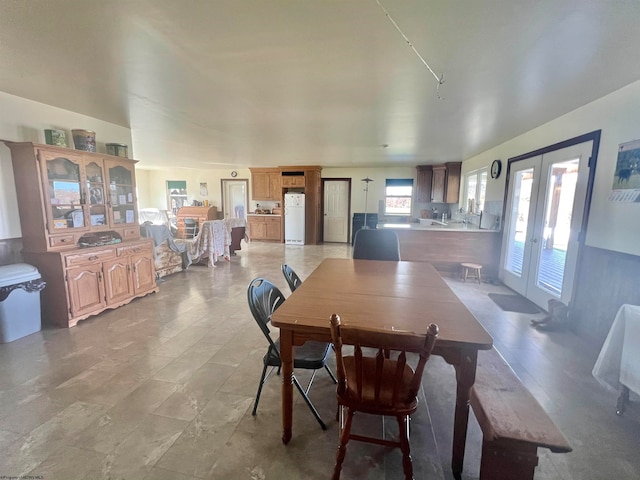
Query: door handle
x,y
534,240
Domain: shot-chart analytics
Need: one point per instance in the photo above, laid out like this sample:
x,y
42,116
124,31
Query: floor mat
x,y
513,303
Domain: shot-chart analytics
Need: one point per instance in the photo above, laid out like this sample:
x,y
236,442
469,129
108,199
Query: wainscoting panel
x,y
606,280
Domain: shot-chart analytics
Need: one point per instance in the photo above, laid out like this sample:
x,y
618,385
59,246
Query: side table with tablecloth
x,y
618,365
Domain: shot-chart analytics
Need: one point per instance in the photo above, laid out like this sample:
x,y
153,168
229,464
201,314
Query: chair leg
x,y
333,377
403,428
342,448
255,403
309,404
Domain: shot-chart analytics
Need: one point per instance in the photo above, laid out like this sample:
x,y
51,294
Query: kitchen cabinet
x,y
423,183
452,189
438,183
76,209
266,184
265,227
289,181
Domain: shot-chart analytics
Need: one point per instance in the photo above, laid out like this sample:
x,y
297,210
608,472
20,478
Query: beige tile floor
x,y
163,388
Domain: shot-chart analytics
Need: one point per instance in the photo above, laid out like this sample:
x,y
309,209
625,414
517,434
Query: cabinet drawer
x,y
62,240
272,220
131,232
89,257
134,249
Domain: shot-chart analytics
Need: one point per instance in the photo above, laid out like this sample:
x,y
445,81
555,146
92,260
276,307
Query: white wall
x,y
23,120
152,184
612,226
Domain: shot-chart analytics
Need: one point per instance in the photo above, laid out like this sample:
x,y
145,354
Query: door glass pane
x,y
519,220
561,188
121,195
95,187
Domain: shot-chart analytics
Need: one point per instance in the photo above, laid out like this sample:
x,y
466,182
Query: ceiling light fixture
x,y
439,79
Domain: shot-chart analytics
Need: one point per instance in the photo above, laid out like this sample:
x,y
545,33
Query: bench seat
x,y
513,423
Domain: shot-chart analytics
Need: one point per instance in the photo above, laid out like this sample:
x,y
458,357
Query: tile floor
x,y
163,388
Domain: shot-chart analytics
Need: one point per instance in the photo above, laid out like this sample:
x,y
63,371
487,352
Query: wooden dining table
x,y
384,295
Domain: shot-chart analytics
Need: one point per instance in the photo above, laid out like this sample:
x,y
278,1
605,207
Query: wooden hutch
x,y
79,223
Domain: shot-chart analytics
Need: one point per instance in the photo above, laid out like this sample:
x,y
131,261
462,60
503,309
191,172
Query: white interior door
x,y
543,218
336,211
235,198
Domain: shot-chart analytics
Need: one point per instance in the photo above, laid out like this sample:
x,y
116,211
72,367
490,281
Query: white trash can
x,y
20,287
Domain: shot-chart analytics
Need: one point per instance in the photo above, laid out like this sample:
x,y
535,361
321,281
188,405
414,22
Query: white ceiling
x,y
206,83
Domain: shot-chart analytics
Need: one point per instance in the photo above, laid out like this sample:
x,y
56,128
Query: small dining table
x,y
384,295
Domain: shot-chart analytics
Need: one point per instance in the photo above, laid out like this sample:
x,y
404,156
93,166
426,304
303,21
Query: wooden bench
x,y
513,423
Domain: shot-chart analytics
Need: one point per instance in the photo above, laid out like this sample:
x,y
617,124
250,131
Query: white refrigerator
x,y
294,218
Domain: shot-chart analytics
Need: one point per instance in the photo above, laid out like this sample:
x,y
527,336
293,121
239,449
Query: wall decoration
x,y
204,191
626,178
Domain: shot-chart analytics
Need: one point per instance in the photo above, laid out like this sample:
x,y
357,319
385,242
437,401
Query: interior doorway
x,y
545,219
336,194
235,197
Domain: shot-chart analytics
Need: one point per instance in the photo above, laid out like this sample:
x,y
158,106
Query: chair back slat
x,y
399,342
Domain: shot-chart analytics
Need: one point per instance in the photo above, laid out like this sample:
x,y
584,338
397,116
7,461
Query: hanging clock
x,y
234,174
496,168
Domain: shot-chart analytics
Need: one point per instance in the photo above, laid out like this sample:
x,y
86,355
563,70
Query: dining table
x,y
390,296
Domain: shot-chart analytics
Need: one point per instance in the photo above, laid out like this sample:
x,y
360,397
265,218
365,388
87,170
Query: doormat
x,y
513,303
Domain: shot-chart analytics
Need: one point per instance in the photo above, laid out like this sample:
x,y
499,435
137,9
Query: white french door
x,y
545,206
235,198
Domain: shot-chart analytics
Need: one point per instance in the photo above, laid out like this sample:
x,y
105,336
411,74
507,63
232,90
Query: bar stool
x,y
471,270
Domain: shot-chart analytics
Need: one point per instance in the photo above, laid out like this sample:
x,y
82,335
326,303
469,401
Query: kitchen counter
x,y
447,246
436,225
264,215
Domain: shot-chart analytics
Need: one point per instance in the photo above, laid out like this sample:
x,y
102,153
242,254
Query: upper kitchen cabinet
x,y
265,184
423,183
438,183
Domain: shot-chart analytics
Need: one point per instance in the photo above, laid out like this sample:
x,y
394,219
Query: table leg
x,y
466,376
286,357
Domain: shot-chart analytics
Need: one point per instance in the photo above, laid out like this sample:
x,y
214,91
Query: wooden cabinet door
x,y
275,190
260,186
117,280
453,182
121,199
437,183
143,273
273,229
63,191
86,289
423,184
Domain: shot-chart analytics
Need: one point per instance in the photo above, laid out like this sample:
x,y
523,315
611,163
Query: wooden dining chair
x,y
376,384
376,244
293,280
265,298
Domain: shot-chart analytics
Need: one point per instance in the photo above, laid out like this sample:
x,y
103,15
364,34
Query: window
x,y
176,195
398,194
475,188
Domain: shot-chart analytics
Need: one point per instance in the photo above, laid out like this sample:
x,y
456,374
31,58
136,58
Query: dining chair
x,y
190,228
377,385
265,298
376,244
291,277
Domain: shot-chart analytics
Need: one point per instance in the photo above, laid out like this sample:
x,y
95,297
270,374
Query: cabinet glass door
x,y
95,192
121,195
66,204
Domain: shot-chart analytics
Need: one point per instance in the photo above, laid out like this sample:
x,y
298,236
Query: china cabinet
x,y
79,224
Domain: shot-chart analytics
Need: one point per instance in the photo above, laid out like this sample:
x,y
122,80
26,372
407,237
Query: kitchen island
x,y
447,246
